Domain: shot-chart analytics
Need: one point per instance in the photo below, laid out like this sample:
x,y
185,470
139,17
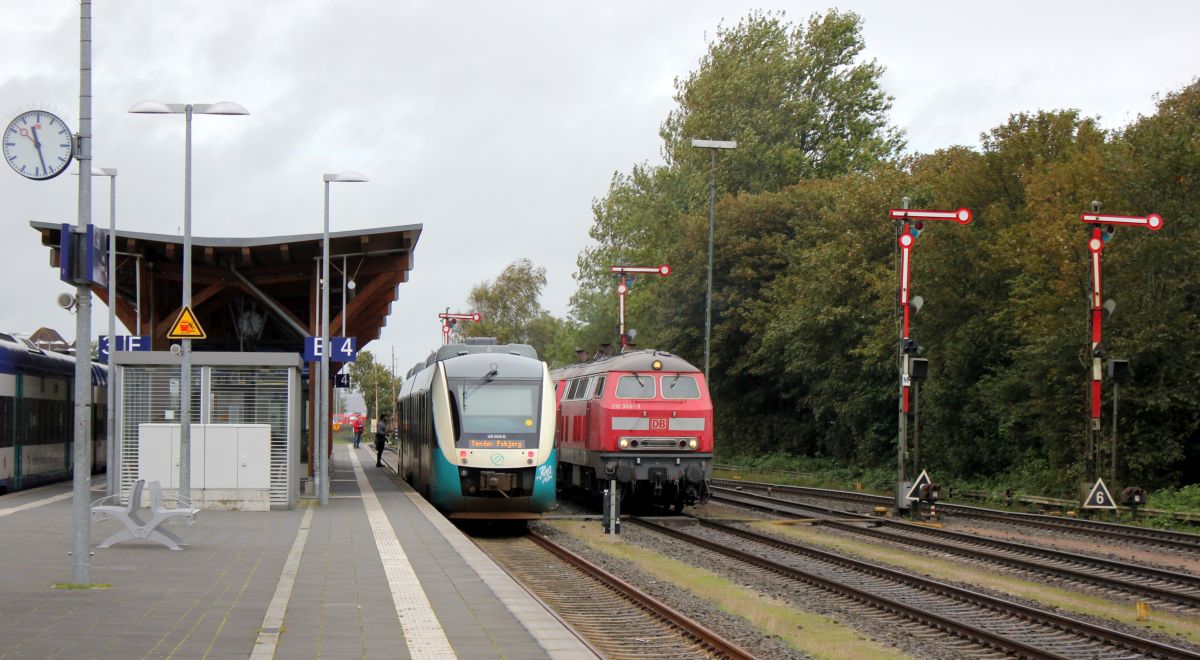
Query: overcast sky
x,y
493,124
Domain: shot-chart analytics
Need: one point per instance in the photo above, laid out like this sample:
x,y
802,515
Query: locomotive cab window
x,y
576,390
599,388
635,387
496,414
680,387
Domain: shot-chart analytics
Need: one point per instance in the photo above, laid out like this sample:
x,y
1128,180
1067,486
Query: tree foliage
x,y
511,311
805,324
375,381
805,320
797,99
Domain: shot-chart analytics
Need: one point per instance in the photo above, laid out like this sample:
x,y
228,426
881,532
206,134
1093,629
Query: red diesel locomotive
x,y
642,418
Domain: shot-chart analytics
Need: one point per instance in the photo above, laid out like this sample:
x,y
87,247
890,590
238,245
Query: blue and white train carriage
x,y
476,431
36,414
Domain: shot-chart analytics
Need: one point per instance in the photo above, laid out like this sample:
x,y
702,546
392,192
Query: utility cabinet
x,y
230,468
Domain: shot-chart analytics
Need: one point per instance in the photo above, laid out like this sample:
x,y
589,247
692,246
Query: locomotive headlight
x,y
623,443
693,443
656,365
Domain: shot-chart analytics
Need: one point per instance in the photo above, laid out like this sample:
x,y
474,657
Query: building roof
x,y
255,293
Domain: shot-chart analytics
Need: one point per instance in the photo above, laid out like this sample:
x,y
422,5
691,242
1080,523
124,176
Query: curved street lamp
x,y
322,473
185,368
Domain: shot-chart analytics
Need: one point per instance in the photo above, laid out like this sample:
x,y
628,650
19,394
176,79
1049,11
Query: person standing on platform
x,y
357,425
380,439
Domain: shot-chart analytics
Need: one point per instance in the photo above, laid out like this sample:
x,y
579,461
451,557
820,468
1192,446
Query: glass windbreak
x,y
495,414
680,387
635,387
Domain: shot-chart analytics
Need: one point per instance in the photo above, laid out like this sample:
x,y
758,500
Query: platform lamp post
x,y
712,145
185,367
323,404
111,467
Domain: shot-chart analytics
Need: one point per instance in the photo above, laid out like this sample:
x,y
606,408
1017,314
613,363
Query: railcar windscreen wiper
x,y
484,380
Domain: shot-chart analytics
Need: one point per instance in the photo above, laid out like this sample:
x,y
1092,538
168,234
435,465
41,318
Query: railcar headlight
x,y
656,365
693,443
623,443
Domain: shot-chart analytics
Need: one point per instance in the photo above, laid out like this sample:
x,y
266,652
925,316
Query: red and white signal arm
x,y
1153,222
473,316
663,270
962,216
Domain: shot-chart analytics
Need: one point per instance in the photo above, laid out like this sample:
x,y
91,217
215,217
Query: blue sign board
x,y
345,349
124,343
83,256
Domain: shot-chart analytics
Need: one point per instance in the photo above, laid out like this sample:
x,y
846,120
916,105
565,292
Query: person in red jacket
x,y
358,429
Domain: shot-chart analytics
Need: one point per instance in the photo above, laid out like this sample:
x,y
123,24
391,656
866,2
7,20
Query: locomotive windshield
x,y
635,387
680,387
495,414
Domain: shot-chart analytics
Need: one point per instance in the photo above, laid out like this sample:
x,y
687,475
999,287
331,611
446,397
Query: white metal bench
x,y
138,528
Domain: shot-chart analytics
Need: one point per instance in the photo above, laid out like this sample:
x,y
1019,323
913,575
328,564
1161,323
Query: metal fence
x,y
220,395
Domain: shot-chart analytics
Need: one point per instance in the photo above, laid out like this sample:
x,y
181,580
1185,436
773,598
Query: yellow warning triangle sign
x,y
186,326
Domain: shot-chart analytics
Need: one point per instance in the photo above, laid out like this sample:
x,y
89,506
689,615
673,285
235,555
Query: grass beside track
x,y
950,570
817,635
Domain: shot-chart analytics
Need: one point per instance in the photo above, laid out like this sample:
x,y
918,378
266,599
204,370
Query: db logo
x,y
658,425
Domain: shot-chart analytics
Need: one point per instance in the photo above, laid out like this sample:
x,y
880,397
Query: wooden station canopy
x,y
256,294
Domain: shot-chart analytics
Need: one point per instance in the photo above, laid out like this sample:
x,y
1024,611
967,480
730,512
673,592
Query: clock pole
x,y
81,561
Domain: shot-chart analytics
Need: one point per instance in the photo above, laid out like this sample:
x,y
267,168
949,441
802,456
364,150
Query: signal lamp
x,y
623,443
656,365
693,443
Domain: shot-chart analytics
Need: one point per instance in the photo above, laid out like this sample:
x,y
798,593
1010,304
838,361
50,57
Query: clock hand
x,y
38,145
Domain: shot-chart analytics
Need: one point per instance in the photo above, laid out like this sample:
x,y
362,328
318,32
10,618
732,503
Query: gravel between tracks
x,y
735,628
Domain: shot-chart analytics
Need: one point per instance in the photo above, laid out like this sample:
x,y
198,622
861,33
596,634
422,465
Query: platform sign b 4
x,y
344,349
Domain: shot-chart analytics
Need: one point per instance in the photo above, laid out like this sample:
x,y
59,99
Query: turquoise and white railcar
x,y
476,431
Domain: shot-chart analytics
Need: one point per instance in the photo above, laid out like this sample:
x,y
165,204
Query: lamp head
x,y
349,176
151,108
219,108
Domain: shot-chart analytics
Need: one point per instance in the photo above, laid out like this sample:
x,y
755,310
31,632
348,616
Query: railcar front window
x,y
497,414
680,387
635,387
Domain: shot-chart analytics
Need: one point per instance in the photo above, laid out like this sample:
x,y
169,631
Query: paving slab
x,y
211,599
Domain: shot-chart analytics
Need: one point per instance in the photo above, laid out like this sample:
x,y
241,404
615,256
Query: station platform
x,y
377,573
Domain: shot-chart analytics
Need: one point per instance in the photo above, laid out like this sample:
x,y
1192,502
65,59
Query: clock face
x,y
37,145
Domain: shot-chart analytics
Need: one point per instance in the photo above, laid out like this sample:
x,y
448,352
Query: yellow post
x,y
1143,611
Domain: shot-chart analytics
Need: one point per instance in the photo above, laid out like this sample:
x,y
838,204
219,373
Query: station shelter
x,y
257,300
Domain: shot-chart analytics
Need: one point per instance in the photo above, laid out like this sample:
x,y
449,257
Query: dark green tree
x,y
798,99
511,311
375,382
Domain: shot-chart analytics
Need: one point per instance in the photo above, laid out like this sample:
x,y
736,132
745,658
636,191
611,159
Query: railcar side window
x,y
599,388
576,385
680,387
635,387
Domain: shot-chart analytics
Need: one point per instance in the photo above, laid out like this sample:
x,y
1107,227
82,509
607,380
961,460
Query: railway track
x,y
1112,531
1164,587
990,624
617,619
